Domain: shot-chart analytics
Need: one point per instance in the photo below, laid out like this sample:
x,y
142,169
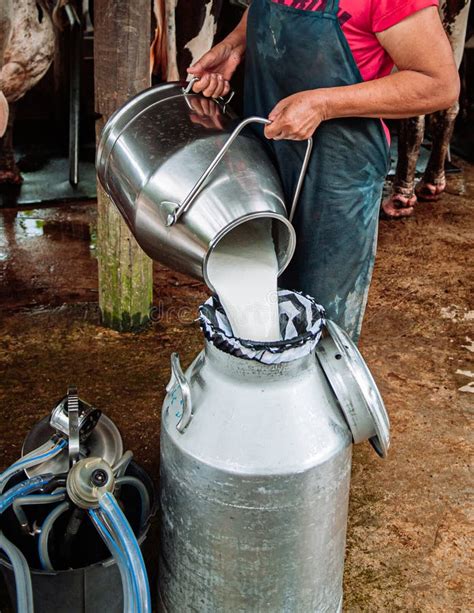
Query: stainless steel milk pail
x,y
183,174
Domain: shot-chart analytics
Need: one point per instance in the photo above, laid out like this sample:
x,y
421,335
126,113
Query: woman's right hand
x,y
215,69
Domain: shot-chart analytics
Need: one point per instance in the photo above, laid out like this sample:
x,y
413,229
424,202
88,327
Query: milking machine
x,y
74,510
256,438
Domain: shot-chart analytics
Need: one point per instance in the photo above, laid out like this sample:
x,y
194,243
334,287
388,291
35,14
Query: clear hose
x,y
22,489
129,603
144,496
120,526
18,504
122,464
38,456
24,590
46,528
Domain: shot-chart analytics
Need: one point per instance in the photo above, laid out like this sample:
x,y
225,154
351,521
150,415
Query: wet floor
x,y
409,535
47,256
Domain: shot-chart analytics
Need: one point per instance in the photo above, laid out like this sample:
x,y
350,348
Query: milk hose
x,y
121,466
134,588
119,524
38,456
46,528
24,590
19,503
57,482
129,601
22,489
144,496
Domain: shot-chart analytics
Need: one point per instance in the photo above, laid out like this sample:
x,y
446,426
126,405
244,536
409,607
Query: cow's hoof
x,y
397,206
428,191
11,176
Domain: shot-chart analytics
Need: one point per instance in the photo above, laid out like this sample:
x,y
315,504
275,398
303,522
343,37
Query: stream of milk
x,y
243,269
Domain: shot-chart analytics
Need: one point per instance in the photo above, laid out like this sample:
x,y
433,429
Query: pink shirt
x,y
360,21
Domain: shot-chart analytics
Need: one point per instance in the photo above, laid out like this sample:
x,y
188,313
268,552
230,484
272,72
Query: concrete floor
x,y
409,538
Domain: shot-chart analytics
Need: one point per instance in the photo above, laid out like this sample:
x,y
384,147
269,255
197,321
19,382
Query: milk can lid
x,y
355,388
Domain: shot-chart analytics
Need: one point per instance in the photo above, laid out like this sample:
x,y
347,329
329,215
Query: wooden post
x,y
121,57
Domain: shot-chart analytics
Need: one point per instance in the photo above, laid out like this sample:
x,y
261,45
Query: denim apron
x,y
290,50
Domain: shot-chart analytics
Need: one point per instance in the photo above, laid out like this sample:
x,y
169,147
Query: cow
x,y
26,52
6,13
404,195
185,31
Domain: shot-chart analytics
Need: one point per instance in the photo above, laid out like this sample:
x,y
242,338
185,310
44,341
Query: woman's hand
x,y
217,66
215,69
297,117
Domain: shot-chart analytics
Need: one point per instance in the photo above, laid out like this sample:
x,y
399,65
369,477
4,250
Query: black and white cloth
x,y
301,324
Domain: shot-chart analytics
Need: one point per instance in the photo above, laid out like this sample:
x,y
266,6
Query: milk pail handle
x,y
179,378
190,198
221,100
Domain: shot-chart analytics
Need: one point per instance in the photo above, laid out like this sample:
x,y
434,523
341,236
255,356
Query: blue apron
x,y
290,50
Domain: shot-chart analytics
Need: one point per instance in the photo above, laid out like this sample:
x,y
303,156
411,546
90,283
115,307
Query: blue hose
x,y
119,523
135,595
29,461
22,489
129,598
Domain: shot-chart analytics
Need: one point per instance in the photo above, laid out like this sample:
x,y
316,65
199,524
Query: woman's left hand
x,y
297,117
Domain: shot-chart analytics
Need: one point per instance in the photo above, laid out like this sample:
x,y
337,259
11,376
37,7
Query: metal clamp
x,y
73,420
88,417
179,378
191,197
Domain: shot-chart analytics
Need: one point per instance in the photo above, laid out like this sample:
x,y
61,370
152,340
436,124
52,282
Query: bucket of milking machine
x,y
184,172
256,444
52,538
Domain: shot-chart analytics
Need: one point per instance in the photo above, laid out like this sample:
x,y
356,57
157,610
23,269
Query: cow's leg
x,y
9,171
401,201
433,182
454,14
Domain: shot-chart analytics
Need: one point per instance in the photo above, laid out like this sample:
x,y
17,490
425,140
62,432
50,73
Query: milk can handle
x,y
190,198
178,377
224,101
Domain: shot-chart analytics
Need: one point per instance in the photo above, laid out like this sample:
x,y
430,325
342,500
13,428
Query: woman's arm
x,y
427,80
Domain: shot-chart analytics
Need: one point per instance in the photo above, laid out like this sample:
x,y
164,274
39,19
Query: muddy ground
x,y
409,540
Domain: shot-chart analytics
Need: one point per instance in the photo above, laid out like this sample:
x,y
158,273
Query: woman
x,y
324,68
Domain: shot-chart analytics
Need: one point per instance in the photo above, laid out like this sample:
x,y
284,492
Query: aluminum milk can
x,y
255,473
183,171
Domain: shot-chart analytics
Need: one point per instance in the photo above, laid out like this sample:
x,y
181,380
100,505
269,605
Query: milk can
x,y
184,172
256,445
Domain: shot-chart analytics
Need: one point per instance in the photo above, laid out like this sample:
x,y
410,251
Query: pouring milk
x,y
243,269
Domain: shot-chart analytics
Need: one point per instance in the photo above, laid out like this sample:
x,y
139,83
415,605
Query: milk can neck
x,y
252,369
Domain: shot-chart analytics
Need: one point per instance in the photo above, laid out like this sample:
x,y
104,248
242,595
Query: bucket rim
x,y
110,561
244,219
